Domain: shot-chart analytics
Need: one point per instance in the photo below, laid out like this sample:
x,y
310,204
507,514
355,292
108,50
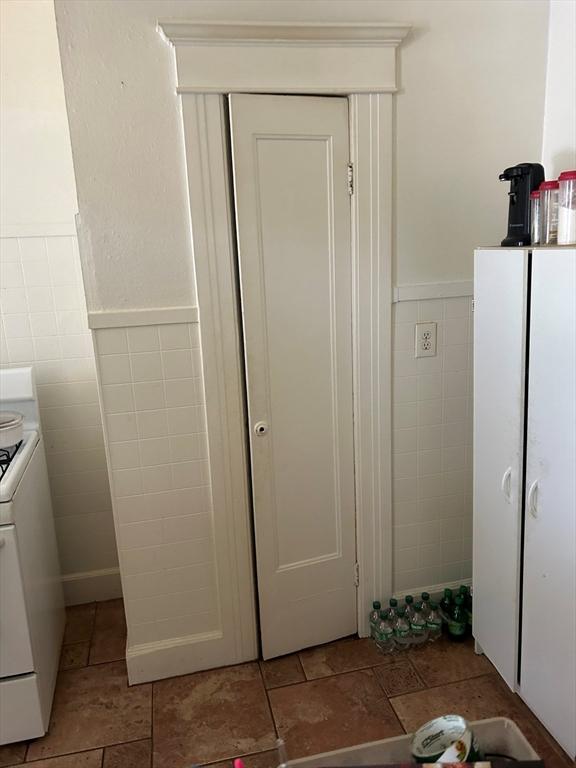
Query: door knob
x,y
261,428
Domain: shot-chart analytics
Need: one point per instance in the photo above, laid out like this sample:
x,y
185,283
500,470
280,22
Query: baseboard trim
x,y
91,586
434,590
130,318
446,290
179,656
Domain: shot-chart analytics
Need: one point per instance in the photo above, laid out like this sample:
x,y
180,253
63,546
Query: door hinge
x,y
350,179
473,305
356,574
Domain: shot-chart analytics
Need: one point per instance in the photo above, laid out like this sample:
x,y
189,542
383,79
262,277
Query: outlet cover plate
x,y
425,340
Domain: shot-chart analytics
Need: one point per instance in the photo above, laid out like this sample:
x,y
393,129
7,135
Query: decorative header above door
x,y
284,57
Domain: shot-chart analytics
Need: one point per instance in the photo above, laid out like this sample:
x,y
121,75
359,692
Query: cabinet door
x,y
500,284
548,664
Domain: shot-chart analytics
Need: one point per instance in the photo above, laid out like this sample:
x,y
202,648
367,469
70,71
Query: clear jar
x,y
535,217
549,213
567,208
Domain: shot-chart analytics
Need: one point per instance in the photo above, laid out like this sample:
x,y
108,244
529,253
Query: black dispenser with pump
x,y
523,178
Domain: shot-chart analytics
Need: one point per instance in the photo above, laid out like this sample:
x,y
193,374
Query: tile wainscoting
x,y
432,446
43,324
155,420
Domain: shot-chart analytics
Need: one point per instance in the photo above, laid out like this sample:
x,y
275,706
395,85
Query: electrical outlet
x,y
425,340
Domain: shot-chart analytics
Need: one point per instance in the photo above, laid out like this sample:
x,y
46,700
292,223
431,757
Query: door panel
x,y
548,680
290,158
500,284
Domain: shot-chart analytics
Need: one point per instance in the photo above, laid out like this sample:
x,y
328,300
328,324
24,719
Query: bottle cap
x,y
433,606
425,596
408,599
417,608
567,176
393,602
459,600
535,194
463,589
376,605
383,615
447,592
552,184
401,611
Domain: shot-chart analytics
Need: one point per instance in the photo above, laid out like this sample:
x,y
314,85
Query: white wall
x,y
470,105
36,174
559,141
42,310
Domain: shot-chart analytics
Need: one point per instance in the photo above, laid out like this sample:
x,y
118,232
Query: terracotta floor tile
x,y
286,670
211,716
398,678
94,707
137,754
477,699
109,636
79,623
74,656
92,759
342,656
260,760
12,754
332,713
447,662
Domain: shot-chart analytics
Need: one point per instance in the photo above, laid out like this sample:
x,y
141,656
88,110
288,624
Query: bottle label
x,y
402,632
417,629
456,628
434,624
386,633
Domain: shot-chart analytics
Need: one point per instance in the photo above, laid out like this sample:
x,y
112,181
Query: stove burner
x,y
6,456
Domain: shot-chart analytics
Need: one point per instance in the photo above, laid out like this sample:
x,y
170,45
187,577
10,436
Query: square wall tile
x,y
143,339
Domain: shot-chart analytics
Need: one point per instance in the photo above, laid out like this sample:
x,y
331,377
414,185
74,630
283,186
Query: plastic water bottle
x,y
402,630
409,605
385,634
457,621
434,623
374,618
425,605
446,606
464,592
391,612
418,626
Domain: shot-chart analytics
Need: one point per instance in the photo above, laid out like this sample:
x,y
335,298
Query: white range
x,y
31,601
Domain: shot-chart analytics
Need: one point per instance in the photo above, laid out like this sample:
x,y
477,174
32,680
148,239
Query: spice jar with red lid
x,y
567,208
549,212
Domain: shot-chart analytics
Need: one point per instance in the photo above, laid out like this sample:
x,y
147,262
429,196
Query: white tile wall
x,y
43,323
154,408
432,446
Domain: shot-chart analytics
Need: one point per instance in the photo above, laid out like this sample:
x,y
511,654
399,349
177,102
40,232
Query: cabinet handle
x,y
533,499
507,484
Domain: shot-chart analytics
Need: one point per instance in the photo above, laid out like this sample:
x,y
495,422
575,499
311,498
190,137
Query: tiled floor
x,y
325,698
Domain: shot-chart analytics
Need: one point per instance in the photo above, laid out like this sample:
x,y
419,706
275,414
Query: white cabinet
x,y
525,476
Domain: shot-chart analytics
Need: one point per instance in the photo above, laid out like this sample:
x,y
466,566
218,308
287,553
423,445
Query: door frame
x,y
357,60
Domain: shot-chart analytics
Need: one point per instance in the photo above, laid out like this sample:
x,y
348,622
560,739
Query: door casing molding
x,y
214,59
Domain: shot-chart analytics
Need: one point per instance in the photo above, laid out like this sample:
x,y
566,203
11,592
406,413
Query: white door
x,y
290,157
500,285
548,672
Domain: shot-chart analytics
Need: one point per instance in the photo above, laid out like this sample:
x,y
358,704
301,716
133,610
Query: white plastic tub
x,y
497,735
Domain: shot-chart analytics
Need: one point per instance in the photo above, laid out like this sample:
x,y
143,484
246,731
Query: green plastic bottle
x,y
446,606
457,622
